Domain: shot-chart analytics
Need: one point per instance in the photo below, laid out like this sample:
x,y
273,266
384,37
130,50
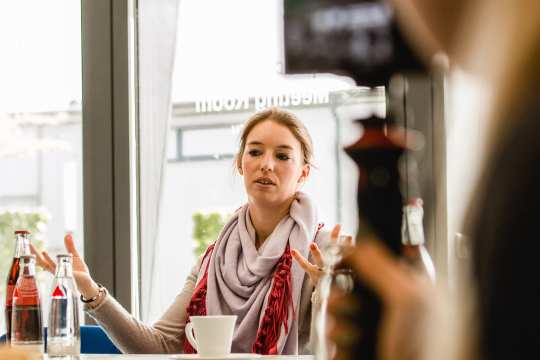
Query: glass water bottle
x,y
333,276
64,331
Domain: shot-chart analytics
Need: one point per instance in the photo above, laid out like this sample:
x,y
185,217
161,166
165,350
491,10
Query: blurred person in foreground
x,y
499,42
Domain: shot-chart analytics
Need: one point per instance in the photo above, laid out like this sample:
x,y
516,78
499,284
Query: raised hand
x,y
315,270
86,285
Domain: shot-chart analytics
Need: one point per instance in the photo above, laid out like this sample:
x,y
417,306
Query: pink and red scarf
x,y
262,287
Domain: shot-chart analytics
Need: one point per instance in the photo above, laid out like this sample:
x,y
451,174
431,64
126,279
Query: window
x,y
204,143
40,128
222,74
193,81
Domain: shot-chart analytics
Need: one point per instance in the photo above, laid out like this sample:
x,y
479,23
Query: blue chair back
x,y
94,340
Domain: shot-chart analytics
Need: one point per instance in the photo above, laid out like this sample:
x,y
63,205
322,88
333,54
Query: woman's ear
x,y
305,173
239,165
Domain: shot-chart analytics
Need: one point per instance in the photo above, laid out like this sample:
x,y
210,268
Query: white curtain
x,y
157,27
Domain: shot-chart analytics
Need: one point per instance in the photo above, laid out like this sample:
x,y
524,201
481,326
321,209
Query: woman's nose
x,y
267,163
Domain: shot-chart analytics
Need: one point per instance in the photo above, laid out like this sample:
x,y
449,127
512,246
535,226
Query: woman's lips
x,y
265,182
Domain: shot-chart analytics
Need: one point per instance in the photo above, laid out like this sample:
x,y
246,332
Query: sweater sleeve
x,y
132,336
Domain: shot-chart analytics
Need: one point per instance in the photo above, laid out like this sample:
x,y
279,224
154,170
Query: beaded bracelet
x,y
101,290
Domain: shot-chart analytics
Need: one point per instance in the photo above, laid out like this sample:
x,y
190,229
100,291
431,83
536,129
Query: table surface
x,y
194,357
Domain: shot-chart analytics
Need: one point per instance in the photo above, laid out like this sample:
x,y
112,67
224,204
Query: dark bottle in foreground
x,y
22,247
64,332
26,320
377,154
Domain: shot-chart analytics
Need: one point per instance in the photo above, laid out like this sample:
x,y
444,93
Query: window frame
x,y
179,134
110,181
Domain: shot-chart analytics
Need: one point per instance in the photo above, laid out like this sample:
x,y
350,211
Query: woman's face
x,y
272,164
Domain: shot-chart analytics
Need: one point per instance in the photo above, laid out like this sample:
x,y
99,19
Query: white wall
x,y
465,153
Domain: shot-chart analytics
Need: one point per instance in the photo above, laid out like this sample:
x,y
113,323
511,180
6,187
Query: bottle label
x,y
16,295
59,292
9,295
26,294
412,228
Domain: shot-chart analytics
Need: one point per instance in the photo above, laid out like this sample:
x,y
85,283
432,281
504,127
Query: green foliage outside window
x,y
206,228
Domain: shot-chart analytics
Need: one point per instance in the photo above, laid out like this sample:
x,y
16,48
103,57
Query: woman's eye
x,y
254,152
283,157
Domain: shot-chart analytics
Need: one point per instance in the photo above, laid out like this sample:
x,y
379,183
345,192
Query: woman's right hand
x,y
85,284
315,269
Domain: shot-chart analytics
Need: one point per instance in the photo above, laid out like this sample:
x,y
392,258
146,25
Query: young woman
x,y
249,270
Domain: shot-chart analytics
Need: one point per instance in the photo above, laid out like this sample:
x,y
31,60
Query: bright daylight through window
x,y
40,127
227,67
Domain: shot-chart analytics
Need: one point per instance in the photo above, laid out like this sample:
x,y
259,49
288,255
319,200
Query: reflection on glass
x,y
40,126
223,74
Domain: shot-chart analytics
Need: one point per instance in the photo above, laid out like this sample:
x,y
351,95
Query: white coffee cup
x,y
213,334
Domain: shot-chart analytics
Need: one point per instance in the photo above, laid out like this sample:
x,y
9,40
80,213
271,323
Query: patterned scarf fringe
x,y
276,313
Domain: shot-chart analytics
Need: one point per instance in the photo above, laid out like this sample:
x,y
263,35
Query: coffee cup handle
x,y
189,334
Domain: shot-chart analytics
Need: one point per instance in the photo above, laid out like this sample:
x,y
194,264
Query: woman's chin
x,y
268,200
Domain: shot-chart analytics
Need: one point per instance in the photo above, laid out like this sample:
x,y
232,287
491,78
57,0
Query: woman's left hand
x,y
314,270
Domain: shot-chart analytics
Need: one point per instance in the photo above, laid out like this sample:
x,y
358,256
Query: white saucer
x,y
238,356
